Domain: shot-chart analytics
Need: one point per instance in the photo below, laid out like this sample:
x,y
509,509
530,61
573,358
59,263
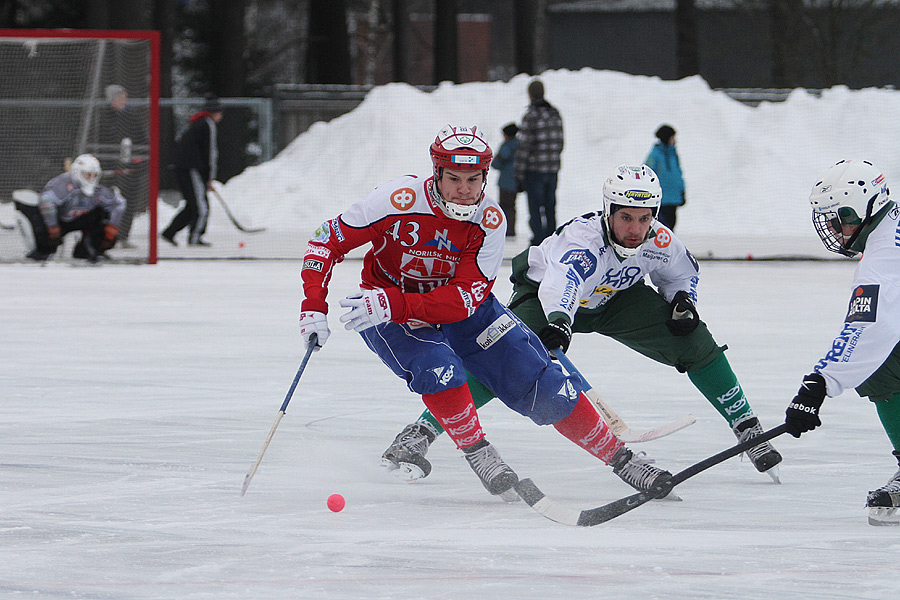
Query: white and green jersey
x,y
871,328
577,269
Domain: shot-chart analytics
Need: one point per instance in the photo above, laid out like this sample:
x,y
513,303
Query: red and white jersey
x,y
434,269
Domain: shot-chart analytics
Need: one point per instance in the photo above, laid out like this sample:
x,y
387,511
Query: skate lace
x,y
487,464
892,486
756,452
639,471
412,438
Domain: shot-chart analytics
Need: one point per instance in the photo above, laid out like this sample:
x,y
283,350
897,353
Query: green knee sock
x,y
889,413
480,394
720,386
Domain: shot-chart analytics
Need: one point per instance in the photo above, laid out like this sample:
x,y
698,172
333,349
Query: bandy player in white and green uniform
x,y
588,277
852,213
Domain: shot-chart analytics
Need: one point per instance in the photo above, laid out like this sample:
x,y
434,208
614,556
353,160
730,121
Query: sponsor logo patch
x,y
403,199
663,238
315,265
492,218
581,261
863,304
495,331
316,250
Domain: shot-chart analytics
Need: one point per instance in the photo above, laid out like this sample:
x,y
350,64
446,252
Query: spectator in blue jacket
x,y
663,159
505,162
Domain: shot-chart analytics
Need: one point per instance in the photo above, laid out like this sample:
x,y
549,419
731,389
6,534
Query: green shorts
x,y
635,317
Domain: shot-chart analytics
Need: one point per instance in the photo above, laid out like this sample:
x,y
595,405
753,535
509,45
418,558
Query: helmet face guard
x,y
86,173
629,187
459,149
844,201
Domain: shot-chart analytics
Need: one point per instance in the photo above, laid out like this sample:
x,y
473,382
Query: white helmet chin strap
x,y
460,212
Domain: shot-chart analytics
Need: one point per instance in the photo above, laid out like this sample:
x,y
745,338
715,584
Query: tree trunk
x,y
688,52
446,65
525,23
401,40
328,57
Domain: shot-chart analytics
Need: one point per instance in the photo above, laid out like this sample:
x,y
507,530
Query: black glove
x,y
684,315
802,413
557,334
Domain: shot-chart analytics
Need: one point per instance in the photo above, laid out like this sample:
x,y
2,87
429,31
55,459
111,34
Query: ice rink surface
x,y
135,399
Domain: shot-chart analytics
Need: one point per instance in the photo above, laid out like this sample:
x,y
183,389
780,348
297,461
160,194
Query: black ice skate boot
x,y
638,471
883,502
406,455
764,457
496,476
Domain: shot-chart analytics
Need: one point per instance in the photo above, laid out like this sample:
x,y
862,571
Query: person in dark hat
x,y
505,162
196,164
663,159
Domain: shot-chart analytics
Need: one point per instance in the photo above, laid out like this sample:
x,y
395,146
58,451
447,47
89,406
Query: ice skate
x,y
884,502
496,476
405,457
638,471
764,457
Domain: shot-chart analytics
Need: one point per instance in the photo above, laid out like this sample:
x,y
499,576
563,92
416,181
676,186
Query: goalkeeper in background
x,y
75,201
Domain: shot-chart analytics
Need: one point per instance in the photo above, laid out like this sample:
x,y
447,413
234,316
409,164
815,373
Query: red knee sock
x,y
585,427
455,411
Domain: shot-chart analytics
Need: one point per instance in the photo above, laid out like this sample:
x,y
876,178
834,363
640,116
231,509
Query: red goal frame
x,y
153,37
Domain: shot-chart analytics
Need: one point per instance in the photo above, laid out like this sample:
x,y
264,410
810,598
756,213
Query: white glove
x,y
314,322
367,309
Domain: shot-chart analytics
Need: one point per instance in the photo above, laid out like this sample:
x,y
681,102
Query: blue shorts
x,y
494,346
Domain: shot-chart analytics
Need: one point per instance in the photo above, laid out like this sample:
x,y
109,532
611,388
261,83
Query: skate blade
x,y
388,464
671,497
510,495
408,472
879,515
774,474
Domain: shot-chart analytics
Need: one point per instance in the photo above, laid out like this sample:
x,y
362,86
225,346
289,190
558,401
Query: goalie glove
x,y
109,237
556,334
684,319
367,309
313,322
802,413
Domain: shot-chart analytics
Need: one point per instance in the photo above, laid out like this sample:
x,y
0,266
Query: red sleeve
x,y
327,248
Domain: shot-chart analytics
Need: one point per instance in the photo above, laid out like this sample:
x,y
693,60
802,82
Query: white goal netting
x,y
63,96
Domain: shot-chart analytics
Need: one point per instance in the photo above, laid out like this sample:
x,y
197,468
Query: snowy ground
x,y
136,398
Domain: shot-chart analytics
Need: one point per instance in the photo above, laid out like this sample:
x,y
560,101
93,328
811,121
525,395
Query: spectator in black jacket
x,y
538,161
196,163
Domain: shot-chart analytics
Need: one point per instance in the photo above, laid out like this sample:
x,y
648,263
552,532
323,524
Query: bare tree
x,y
328,56
687,50
446,63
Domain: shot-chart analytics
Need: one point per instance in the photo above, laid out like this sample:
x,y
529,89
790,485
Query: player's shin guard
x,y
584,427
455,411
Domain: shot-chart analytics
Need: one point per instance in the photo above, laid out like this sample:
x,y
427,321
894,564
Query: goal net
x,y
67,93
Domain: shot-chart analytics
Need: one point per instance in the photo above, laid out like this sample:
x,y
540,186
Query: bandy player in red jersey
x,y
425,307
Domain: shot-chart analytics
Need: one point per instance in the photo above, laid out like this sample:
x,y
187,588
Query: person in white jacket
x,y
852,213
588,277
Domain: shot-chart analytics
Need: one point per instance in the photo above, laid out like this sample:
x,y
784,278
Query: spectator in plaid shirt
x,y
538,161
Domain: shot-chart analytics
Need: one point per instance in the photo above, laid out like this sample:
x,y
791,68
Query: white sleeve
x,y
682,272
871,328
570,263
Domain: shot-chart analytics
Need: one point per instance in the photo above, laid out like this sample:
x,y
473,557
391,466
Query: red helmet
x,y
460,148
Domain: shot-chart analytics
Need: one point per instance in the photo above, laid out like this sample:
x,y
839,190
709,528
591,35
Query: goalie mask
x,y
86,173
459,149
847,198
629,187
